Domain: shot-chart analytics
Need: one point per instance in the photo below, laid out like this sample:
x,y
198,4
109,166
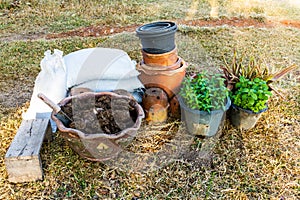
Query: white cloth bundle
x,y
51,81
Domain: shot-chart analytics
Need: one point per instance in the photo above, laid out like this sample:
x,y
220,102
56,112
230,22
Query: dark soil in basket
x,y
104,114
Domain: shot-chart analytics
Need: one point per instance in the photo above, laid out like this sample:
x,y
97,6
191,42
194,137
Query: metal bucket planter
x,y
242,118
157,37
203,123
98,146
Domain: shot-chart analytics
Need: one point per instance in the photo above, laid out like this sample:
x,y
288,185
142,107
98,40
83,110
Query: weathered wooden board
x,y
22,160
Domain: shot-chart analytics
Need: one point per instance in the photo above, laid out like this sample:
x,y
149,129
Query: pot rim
x,y
182,103
162,68
148,30
82,135
155,71
160,54
249,111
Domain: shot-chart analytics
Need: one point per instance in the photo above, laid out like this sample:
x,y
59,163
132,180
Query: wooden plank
x,y
22,160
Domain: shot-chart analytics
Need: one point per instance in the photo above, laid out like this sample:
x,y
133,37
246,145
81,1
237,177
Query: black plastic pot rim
x,y
249,111
173,51
155,32
154,35
201,112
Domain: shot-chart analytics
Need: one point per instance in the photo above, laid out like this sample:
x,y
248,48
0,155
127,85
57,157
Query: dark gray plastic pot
x,y
203,123
157,37
242,118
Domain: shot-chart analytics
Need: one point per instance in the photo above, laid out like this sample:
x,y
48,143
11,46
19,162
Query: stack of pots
x,y
161,66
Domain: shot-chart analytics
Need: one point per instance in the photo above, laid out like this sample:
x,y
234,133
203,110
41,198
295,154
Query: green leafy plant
x,y
204,91
251,95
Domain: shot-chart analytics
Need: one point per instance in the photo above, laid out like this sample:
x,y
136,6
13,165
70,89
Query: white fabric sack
x,y
129,84
51,81
98,64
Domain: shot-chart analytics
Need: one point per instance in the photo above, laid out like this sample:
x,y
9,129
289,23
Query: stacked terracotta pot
x,y
161,66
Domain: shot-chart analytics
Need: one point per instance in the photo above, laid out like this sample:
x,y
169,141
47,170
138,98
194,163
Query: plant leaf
x,y
281,73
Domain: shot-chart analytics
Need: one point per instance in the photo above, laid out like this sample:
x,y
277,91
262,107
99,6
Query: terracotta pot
x,y
97,146
174,66
158,60
154,96
175,108
169,81
157,113
155,104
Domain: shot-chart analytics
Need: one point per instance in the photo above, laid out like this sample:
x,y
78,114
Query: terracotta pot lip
x,y
149,67
249,111
159,54
61,127
154,71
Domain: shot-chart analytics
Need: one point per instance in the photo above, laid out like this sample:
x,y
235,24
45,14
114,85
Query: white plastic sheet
x,y
99,64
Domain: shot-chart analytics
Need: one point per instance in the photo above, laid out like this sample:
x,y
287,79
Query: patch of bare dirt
x,y
95,31
291,23
235,21
104,30
101,30
17,37
14,93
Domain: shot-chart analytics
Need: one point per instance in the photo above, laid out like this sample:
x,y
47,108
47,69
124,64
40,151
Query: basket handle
x,y
56,108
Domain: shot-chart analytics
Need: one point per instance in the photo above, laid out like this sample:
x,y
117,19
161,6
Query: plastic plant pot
x,y
203,123
157,37
242,118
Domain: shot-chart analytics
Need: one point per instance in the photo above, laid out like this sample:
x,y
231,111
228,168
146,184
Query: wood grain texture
x,y
22,160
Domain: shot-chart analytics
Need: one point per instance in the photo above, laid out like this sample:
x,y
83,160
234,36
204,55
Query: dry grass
x,y
23,18
262,163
